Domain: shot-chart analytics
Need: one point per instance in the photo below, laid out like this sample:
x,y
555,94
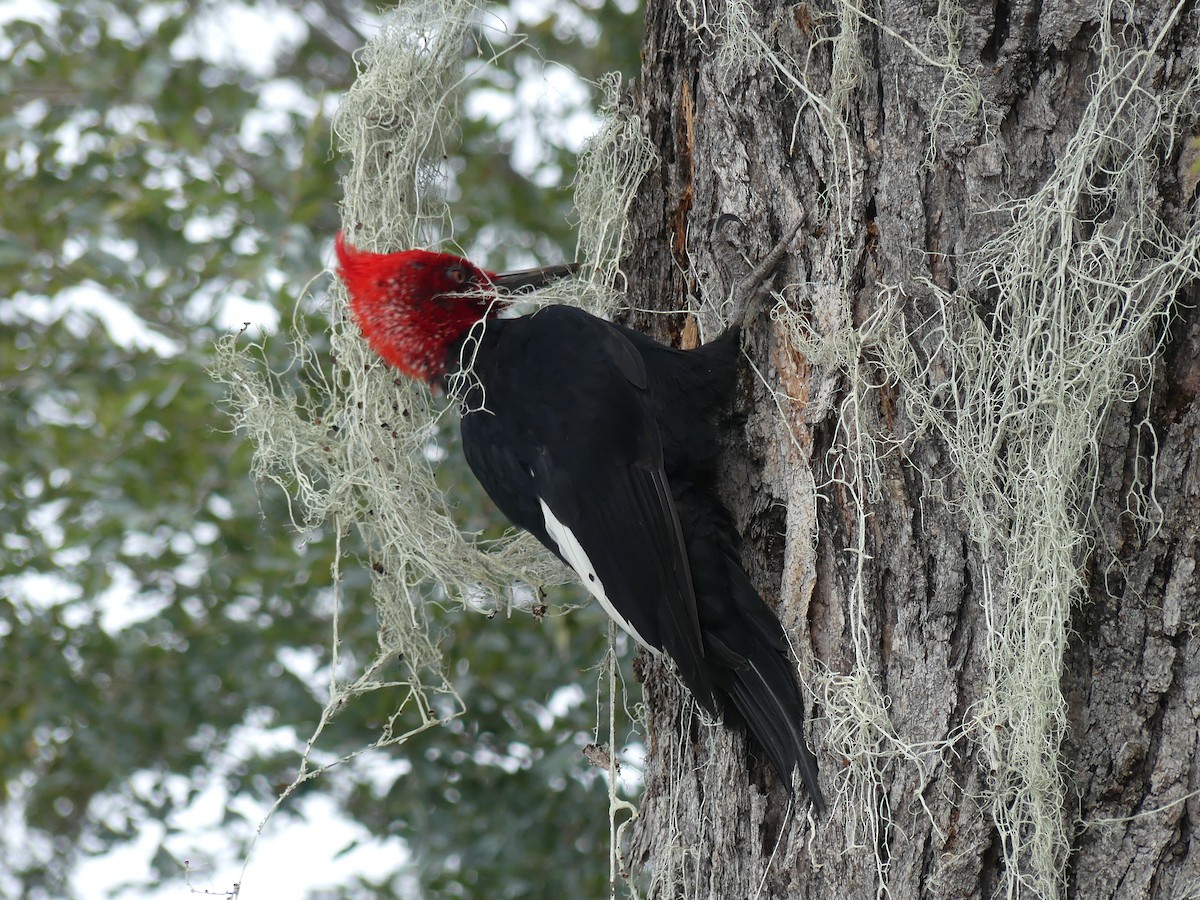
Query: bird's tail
x,y
767,698
745,651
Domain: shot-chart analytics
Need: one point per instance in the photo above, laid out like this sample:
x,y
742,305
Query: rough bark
x,y
850,509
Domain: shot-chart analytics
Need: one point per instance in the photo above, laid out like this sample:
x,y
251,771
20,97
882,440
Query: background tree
x,y
967,471
164,629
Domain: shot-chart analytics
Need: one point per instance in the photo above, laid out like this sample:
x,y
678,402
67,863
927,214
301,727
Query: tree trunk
x,y
963,459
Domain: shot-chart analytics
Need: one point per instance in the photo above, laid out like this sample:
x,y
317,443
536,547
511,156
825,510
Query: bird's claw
x,y
747,285
753,286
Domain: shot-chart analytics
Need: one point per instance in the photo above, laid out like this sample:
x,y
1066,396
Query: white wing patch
x,y
570,548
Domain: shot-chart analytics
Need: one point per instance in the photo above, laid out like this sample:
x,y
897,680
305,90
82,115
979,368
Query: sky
x,y
316,833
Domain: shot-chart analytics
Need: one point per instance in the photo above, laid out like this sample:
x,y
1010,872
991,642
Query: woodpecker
x,y
602,443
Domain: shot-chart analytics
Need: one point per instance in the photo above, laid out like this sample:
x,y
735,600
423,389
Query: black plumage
x,y
603,443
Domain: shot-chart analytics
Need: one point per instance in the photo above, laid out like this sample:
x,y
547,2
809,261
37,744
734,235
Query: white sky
x,y
295,855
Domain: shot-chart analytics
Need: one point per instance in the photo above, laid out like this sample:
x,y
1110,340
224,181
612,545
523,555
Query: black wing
x,y
560,431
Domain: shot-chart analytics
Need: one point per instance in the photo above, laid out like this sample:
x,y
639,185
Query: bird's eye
x,y
457,274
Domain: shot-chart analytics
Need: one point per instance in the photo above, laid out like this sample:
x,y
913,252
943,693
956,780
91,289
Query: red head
x,y
414,305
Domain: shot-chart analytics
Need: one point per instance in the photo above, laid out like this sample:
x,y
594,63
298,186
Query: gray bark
x,y
852,507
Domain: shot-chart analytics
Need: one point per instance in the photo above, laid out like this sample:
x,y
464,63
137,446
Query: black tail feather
x,y
745,650
768,701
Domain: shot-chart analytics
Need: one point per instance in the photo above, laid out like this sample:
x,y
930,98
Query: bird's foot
x,y
751,287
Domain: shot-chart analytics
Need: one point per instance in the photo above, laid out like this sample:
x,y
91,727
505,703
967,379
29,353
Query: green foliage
x,y
153,599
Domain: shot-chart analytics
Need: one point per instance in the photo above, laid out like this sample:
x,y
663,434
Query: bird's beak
x,y
532,279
